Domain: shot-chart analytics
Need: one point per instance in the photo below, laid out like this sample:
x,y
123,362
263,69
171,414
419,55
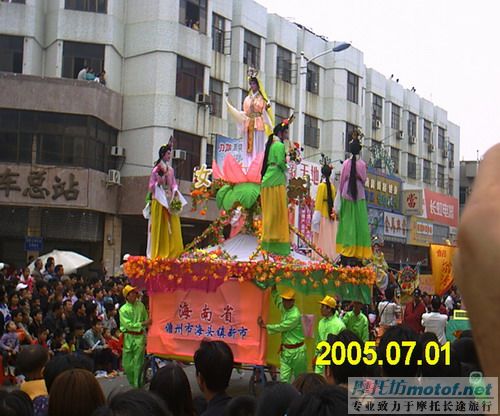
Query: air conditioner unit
x,y
413,139
179,154
400,135
203,99
113,177
118,151
377,124
445,153
431,147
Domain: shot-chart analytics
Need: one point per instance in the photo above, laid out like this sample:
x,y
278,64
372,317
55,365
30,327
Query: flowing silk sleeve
x,y
237,115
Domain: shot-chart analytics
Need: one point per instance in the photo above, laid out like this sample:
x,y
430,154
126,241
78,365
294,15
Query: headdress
x,y
285,124
376,241
164,149
253,74
355,146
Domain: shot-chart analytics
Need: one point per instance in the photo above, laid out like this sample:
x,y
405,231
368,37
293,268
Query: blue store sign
x,y
33,244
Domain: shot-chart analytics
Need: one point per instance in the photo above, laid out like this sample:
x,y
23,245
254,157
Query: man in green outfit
x,y
293,350
329,324
356,321
133,323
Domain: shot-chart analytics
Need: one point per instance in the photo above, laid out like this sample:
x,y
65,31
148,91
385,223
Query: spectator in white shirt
x,y
389,310
434,321
82,75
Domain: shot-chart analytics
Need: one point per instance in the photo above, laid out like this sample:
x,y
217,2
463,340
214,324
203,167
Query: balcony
x,y
27,92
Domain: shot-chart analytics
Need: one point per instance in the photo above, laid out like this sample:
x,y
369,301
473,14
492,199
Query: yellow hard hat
x,y
329,301
289,294
127,289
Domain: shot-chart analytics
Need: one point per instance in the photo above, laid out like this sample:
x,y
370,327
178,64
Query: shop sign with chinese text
x,y
383,191
40,185
421,232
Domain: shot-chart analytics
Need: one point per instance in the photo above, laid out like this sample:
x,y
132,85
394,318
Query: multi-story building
x,y
169,66
468,173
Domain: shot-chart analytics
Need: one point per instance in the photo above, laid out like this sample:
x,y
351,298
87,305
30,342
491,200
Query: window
x,y
14,1
451,155
193,14
352,87
251,50
377,148
77,55
58,139
412,166
441,139
11,53
427,131
210,155
377,108
312,80
189,78
427,171
395,116
281,112
463,195
96,6
192,145
218,29
412,125
395,158
284,65
15,148
311,131
349,130
441,176
450,186
216,97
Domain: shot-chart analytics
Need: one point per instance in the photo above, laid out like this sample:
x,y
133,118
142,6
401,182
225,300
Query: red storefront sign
x,y
440,208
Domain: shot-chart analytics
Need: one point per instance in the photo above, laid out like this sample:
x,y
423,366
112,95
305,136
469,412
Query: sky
x,y
449,50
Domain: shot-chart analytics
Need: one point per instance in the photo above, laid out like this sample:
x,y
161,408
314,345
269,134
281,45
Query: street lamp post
x,y
302,84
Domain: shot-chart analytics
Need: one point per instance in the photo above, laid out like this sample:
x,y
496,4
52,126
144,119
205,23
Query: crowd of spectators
x,y
61,333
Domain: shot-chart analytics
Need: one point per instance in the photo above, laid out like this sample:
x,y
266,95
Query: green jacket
x,y
331,325
132,315
290,326
276,166
357,324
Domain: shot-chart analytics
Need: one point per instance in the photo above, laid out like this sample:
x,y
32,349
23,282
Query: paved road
x,y
237,386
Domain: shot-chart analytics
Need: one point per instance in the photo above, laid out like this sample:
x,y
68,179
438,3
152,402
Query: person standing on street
x,y
292,349
356,321
134,321
413,312
329,324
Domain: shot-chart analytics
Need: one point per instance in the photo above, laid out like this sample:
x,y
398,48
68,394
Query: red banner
x,y
440,208
181,319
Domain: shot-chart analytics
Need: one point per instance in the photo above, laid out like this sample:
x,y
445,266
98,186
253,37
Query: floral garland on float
x,y
237,194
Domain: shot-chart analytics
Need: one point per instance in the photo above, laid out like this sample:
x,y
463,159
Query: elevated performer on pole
x,y
353,235
255,121
324,225
273,197
292,350
164,227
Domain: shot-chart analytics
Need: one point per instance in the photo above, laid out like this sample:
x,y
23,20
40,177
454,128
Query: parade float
x,y
216,288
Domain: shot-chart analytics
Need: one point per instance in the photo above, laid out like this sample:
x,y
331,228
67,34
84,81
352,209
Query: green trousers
x,y
293,362
133,358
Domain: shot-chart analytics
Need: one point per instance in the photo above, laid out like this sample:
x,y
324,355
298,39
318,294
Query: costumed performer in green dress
x,y
274,200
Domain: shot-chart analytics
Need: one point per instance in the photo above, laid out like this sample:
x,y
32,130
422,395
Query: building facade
x,y
169,67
